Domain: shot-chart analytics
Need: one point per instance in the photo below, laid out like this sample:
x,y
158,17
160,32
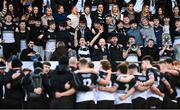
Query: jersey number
x,y
127,88
87,82
109,84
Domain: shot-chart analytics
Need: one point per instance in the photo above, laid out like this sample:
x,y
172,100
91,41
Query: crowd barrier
x,y
29,64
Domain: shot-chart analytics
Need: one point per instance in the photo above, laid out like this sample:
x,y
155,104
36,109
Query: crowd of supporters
x,y
46,29
137,43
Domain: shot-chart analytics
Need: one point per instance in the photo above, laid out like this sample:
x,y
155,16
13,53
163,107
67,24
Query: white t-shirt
x,y
74,20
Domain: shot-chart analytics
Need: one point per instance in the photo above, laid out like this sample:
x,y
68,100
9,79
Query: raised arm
x,y
96,37
75,37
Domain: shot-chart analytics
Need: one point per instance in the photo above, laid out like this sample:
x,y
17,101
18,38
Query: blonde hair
x,y
143,13
117,8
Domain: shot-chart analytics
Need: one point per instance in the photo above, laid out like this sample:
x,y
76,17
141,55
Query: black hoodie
x,y
60,76
16,90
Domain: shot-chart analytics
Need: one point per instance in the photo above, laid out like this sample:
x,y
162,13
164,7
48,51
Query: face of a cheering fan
x,y
156,22
37,23
120,25
82,41
109,20
114,40
100,8
46,69
87,10
131,40
145,22
126,20
146,9
115,9
160,11
35,10
176,10
52,26
177,24
166,20
102,42
150,43
48,12
22,25
31,44
8,18
10,7
130,7
133,25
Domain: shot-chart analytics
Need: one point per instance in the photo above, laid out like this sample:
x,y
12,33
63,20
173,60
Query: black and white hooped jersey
x,y
123,88
156,74
87,79
83,52
142,78
157,80
103,95
8,33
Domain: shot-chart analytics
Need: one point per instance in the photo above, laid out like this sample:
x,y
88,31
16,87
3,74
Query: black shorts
x,y
153,102
139,103
86,105
35,104
12,104
178,102
168,103
62,103
124,106
105,104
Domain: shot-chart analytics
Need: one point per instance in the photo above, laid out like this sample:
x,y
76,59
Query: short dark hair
x,y
129,3
47,63
91,65
155,17
37,64
150,40
133,22
51,22
169,61
30,40
109,15
147,58
83,61
133,66
122,68
119,21
131,37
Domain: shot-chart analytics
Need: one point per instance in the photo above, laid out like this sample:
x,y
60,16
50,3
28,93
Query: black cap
x,y
16,63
